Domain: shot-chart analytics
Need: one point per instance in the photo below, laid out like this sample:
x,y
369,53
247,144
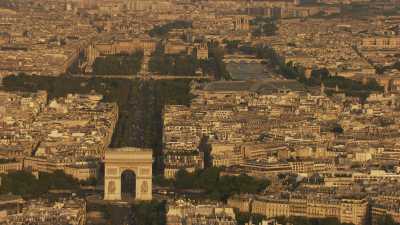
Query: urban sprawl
x,y
224,112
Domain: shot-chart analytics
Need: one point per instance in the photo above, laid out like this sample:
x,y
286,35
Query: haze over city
x,y
199,112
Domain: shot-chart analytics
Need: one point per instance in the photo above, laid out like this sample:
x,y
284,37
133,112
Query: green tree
x,y
216,186
386,220
20,183
294,71
184,180
120,64
216,55
160,180
25,184
231,45
149,213
208,179
173,64
162,31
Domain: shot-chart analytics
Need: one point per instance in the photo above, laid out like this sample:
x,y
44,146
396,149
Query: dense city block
x,y
199,112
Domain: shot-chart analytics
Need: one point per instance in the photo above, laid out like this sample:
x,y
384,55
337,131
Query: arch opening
x,y
128,185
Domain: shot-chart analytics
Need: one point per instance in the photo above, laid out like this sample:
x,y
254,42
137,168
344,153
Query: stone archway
x,y
128,185
128,174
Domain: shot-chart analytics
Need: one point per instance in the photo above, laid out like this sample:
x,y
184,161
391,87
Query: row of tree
x,y
149,213
386,220
215,185
187,65
27,185
174,64
162,31
140,122
120,64
318,76
139,213
243,218
299,220
215,64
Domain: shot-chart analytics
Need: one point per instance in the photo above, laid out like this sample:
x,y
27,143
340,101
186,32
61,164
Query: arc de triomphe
x,y
138,162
